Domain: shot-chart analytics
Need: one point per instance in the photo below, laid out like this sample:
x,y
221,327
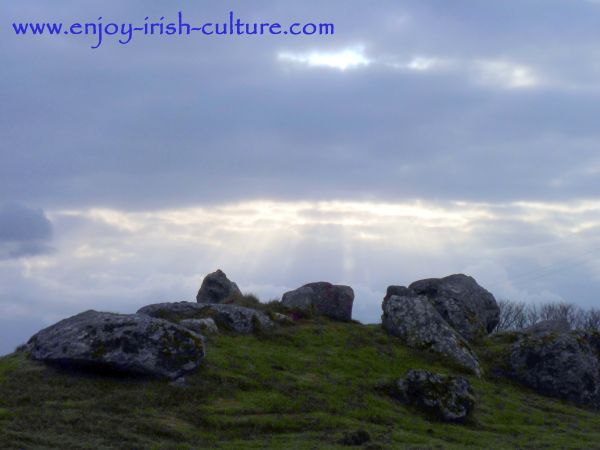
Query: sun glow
x,y
351,58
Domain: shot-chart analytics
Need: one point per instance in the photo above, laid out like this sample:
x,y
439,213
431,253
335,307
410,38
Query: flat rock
x,y
414,319
322,298
217,288
562,365
131,343
444,398
465,305
237,319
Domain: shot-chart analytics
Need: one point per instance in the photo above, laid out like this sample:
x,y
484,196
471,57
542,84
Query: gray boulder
x,y
466,306
237,319
322,298
414,319
133,344
444,398
563,365
549,326
216,288
200,326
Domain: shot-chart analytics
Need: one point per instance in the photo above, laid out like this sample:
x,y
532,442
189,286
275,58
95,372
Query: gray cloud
x,y
228,113
488,103
23,232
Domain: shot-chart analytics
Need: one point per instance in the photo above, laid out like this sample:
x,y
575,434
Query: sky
x,y
424,138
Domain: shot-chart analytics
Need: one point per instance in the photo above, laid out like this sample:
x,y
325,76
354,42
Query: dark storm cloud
x,y
21,224
23,231
168,122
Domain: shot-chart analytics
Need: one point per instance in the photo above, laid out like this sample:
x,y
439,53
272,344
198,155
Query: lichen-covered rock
x,y
414,319
322,298
549,326
200,326
216,288
563,365
445,398
237,319
464,304
129,343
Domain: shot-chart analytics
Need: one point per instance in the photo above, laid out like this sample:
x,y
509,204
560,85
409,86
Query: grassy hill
x,y
302,387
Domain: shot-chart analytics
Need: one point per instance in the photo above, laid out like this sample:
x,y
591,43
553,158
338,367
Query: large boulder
x,y
466,306
322,298
216,288
444,398
129,343
413,318
561,365
237,319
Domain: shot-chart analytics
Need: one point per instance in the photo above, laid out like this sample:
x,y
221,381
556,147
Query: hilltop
x,y
305,387
312,382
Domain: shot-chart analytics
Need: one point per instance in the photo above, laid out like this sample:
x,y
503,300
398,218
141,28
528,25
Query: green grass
x,y
7,365
303,387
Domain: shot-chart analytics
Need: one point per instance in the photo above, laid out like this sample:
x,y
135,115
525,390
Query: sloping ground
x,y
303,387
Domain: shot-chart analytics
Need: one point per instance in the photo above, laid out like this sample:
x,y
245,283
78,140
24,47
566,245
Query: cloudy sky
x,y
425,138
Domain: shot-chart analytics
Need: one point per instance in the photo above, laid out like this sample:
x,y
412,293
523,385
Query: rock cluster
x,y
165,339
442,315
237,319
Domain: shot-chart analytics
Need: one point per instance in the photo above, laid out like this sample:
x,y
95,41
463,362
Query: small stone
x,y
180,382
